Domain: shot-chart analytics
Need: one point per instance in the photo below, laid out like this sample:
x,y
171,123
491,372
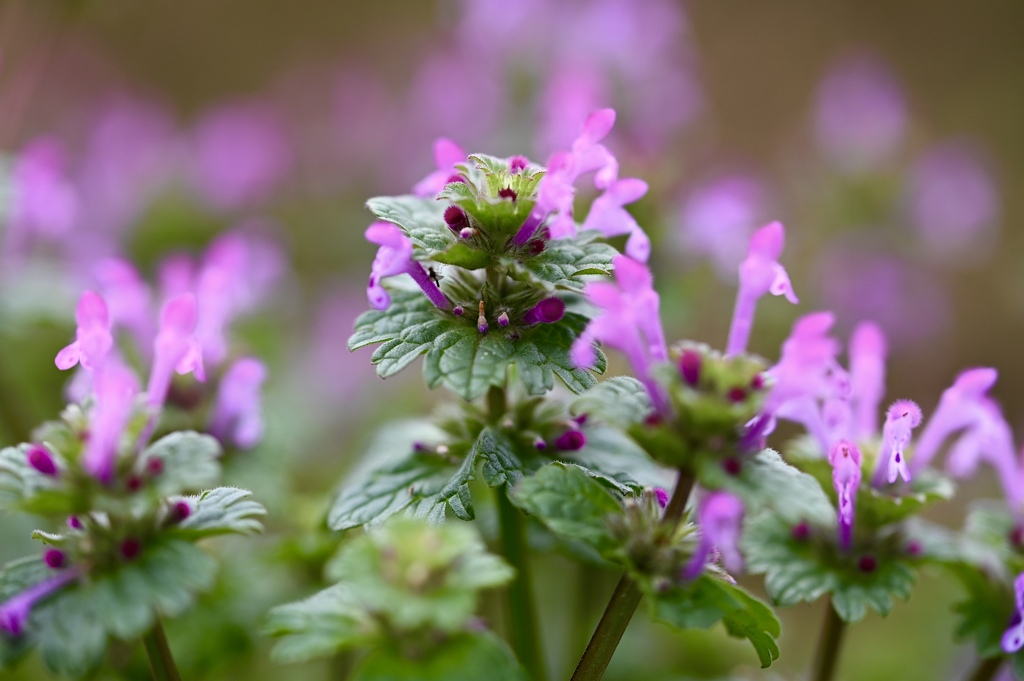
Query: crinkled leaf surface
x,y
222,510
321,625
566,263
422,219
191,462
621,401
611,452
707,600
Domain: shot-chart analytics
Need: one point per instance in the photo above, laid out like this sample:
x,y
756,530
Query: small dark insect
x,y
434,276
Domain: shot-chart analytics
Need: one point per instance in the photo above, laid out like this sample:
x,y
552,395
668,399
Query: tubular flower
x,y
395,257
14,613
175,347
237,413
446,155
93,339
867,377
760,273
128,298
902,417
1013,637
845,459
116,388
547,311
608,216
964,404
720,518
630,323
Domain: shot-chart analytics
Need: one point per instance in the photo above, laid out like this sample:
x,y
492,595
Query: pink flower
x,y
903,416
14,612
608,216
237,416
115,390
44,202
760,273
846,460
175,347
394,257
1013,638
93,340
128,298
446,155
867,377
720,519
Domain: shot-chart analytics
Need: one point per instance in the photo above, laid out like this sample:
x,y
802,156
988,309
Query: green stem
x,y
987,669
161,662
625,599
827,658
522,613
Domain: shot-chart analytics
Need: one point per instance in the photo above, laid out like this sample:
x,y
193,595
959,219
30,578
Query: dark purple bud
x,y
455,178
419,447
732,465
1017,536
571,441
518,163
653,419
455,218
737,395
179,511
54,558
507,193
130,549
662,495
536,246
155,466
539,444
689,365
757,383
801,531
74,523
39,458
547,311
503,319
134,483
467,233
581,419
867,563
458,310
914,548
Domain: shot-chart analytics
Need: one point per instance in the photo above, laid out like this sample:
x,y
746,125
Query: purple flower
x,y
846,460
44,202
547,311
953,201
572,91
720,518
571,441
241,154
867,377
39,457
903,416
1013,638
115,390
662,496
237,416
128,298
963,404
14,613
630,322
395,257
93,340
760,273
54,558
447,154
718,219
608,216
861,114
175,347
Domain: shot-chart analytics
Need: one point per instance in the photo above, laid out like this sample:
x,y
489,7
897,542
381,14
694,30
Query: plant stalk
x,y
987,669
521,610
827,658
161,662
625,600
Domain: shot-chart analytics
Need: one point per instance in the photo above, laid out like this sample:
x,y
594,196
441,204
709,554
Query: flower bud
x,y
39,458
54,558
571,441
455,218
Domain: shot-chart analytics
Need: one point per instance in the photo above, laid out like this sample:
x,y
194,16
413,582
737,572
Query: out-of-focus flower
x,y
395,257
720,519
128,298
237,414
93,340
115,389
608,216
760,273
1013,638
861,114
867,377
547,311
953,202
175,348
903,416
45,203
241,155
14,613
446,154
846,460
718,218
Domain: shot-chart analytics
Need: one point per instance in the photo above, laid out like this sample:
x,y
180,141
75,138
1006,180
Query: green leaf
x,y
190,462
571,503
222,510
467,657
614,454
321,625
984,615
804,569
15,577
620,401
708,600
408,309
465,256
566,263
501,465
18,480
422,219
766,481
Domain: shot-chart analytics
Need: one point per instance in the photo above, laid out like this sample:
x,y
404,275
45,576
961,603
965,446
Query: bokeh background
x,y
887,135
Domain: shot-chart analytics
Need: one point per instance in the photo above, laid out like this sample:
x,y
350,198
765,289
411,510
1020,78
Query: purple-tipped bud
x,y
733,466
39,458
503,319
539,444
155,466
914,548
757,383
689,366
467,233
130,549
419,447
736,395
179,511
74,523
458,311
536,246
661,494
455,178
547,311
800,532
867,563
581,420
571,441
508,193
455,218
54,558
134,483
481,320
517,164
